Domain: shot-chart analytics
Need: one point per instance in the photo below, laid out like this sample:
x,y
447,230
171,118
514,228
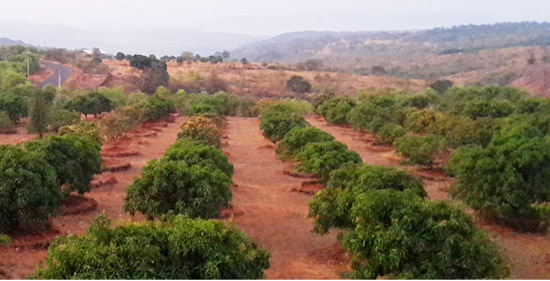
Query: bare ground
x,y
528,254
273,215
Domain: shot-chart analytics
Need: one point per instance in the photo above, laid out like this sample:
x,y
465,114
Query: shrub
x,y
491,109
390,132
419,121
114,126
320,100
278,119
369,117
298,137
441,86
57,118
331,206
5,121
176,187
321,158
75,159
398,235
336,110
92,103
158,106
420,150
362,178
504,180
4,240
90,130
15,106
298,85
203,129
29,194
180,248
194,152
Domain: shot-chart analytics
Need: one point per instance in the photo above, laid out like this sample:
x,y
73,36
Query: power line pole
x,y
59,80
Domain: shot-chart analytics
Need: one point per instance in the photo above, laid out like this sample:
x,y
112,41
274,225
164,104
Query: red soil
x,y
274,216
528,254
23,256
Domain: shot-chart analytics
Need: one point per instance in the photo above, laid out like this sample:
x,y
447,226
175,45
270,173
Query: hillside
x,y
8,42
295,46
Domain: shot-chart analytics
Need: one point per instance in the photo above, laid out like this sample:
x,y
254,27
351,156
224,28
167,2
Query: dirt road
x,y
273,215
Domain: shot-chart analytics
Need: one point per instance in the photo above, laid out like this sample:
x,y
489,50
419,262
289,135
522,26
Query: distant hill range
x,y
296,46
8,42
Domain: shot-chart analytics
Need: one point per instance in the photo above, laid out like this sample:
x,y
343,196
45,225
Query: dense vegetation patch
x,y
279,119
176,187
179,248
299,137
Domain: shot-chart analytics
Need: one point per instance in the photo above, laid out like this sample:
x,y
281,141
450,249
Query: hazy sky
x,y
270,17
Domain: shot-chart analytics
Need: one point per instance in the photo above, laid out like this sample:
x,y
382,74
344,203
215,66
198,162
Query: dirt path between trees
x,y
270,213
26,251
529,254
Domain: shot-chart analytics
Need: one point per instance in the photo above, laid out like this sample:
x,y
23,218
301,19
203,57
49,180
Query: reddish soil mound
x,y
331,255
78,204
113,165
103,180
142,134
308,187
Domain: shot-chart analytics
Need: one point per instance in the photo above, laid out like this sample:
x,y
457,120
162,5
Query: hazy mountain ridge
x,y
8,42
295,46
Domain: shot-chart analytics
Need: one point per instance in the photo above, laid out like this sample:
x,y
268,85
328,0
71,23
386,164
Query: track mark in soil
x,y
273,216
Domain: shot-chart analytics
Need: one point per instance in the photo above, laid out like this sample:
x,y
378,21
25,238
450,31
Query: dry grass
x,y
255,79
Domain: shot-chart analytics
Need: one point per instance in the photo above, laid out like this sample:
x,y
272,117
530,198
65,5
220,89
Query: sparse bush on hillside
x,y
75,159
441,86
297,138
175,187
179,248
29,191
120,56
298,85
